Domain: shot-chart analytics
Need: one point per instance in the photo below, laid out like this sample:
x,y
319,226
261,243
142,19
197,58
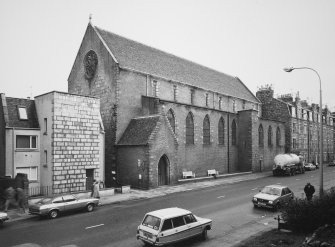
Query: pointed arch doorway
x,y
163,170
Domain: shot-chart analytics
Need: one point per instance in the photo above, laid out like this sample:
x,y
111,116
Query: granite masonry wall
x,y
75,141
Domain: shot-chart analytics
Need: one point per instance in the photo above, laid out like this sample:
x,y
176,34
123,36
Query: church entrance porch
x,y
163,171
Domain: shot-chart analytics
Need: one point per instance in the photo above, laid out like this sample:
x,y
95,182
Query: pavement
x,y
252,228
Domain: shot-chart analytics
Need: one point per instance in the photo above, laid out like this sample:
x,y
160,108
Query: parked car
x,y
331,163
310,167
3,218
53,206
273,196
170,225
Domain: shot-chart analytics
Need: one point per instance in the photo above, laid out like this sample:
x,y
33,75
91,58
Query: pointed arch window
x,y
260,136
233,133
189,129
221,131
171,118
270,136
206,131
278,137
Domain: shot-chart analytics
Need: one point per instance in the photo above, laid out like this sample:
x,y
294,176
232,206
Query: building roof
x,y
139,131
136,56
13,113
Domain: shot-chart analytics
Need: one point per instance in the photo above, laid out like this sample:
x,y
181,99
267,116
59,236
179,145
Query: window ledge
x,y
26,150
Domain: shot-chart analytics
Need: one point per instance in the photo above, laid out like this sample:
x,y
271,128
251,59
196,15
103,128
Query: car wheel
x,y
53,214
204,234
89,207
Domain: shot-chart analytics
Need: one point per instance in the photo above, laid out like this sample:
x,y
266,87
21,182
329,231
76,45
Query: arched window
x,y
206,131
278,137
221,131
189,129
170,116
233,133
260,136
270,136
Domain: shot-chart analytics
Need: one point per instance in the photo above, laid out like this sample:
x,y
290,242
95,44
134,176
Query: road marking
x,y
297,179
89,227
220,197
254,188
188,189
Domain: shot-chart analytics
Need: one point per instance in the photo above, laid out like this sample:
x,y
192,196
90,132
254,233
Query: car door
x,y
180,228
193,226
286,195
70,203
167,233
58,203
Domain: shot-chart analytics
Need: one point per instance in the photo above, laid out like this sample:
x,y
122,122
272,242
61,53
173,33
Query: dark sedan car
x,y
273,196
52,207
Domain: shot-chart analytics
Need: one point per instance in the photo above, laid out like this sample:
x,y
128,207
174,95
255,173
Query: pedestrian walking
x,y
21,199
309,191
95,189
10,198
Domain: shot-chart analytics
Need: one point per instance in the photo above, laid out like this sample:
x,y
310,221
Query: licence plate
x,y
261,204
147,235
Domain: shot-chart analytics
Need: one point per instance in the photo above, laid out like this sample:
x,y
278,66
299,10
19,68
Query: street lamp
x,y
321,127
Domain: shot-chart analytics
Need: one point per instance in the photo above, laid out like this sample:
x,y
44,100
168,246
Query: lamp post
x,y
321,127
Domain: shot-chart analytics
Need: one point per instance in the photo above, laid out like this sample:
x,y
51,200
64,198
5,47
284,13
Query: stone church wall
x,y
103,85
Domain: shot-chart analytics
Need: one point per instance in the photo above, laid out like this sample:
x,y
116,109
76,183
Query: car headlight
x,y
254,199
270,202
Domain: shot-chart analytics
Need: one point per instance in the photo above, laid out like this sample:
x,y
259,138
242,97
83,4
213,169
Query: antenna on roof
x,y
90,18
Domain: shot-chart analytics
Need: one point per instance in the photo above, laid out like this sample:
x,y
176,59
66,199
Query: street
x,y
229,206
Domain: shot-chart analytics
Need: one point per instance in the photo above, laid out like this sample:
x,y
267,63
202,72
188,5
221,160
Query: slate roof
x,y
133,55
139,130
13,113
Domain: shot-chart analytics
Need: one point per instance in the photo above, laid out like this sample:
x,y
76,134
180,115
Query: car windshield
x,y
152,222
45,200
271,191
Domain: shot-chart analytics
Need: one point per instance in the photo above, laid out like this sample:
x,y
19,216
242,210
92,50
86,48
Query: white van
x,y
171,225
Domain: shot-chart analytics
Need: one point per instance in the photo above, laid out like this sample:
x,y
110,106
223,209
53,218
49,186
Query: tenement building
x,y
302,124
164,115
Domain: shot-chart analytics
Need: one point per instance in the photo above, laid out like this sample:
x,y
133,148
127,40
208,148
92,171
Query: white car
x,y
272,196
310,167
171,225
3,218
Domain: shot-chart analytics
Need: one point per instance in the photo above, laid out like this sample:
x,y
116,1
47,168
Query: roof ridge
x,y
168,53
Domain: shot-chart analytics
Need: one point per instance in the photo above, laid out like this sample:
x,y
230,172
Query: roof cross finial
x,y
90,18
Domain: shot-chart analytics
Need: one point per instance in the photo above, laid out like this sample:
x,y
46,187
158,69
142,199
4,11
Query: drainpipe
x,y
228,124
146,85
13,153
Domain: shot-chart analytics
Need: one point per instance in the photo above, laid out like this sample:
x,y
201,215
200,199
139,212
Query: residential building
x,y
57,139
302,124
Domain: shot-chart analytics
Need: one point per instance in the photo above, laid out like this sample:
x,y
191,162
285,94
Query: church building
x,y
164,115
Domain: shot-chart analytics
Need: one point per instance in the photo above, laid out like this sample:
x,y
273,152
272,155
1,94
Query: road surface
x,y
229,206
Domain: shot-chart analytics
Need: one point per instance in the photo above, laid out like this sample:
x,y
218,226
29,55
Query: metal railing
x,y
40,191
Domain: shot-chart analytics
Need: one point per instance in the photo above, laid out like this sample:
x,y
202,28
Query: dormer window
x,y
22,113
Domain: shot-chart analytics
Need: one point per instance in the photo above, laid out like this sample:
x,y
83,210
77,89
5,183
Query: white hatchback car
x,y
171,225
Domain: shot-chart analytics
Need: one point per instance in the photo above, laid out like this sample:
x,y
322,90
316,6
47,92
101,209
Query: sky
x,y
251,39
